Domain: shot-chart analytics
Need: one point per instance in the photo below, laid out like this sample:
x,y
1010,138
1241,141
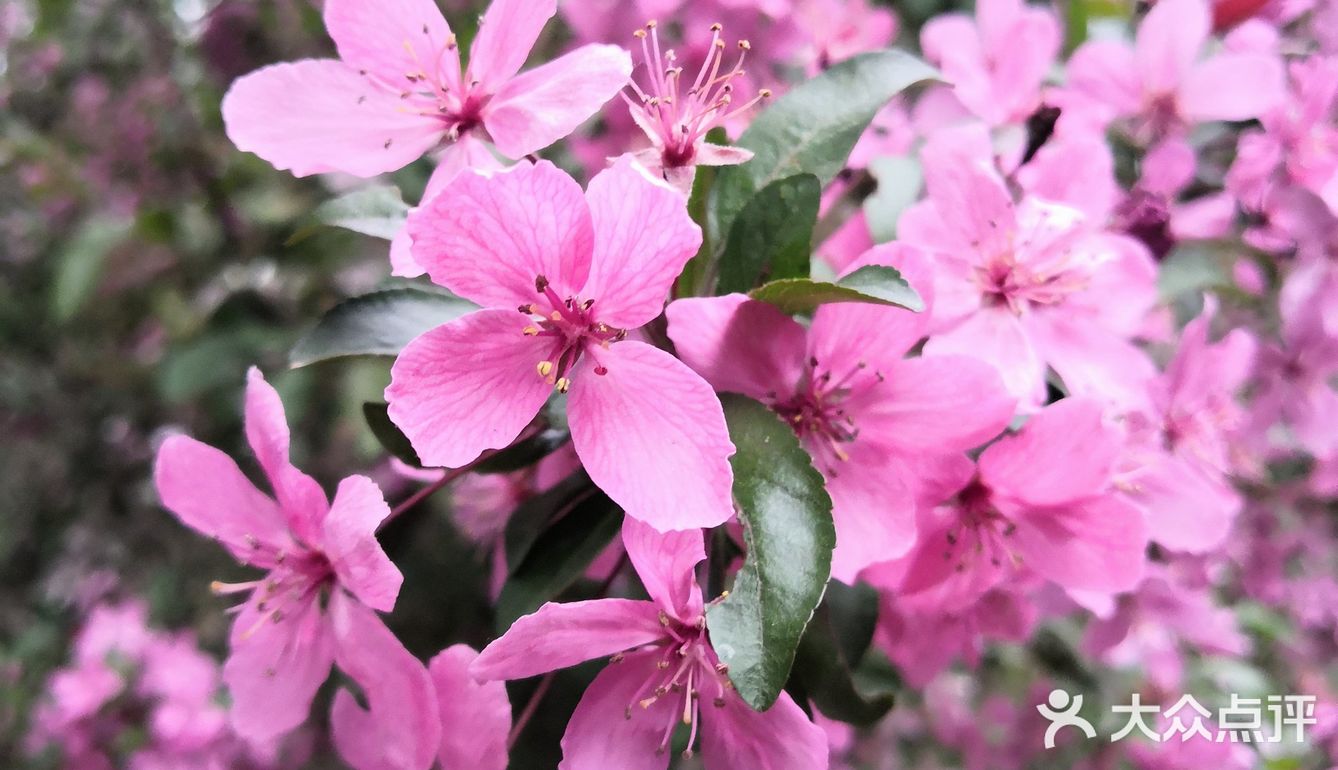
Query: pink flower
x,y
1043,501
1029,285
1182,450
1160,81
878,426
475,717
996,65
924,640
398,90
677,116
583,271
664,671
325,574
840,29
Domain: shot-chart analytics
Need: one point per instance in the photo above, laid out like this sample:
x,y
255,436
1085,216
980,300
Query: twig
x,y
530,707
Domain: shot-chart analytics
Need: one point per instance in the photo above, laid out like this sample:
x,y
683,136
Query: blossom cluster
x,y
1038,429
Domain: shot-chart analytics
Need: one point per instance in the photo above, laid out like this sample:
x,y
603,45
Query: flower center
x,y
571,326
687,671
437,88
679,115
980,532
818,410
294,579
1006,282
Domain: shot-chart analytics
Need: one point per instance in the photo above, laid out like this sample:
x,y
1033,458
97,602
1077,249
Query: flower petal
x,y
275,668
1093,545
208,493
318,115
737,344
938,404
391,39
1093,362
487,237
506,35
708,154
995,336
643,237
475,717
467,386
1105,70
667,562
1168,42
1066,452
301,498
652,435
609,730
780,738
401,729
349,542
874,511
1240,86
560,635
1189,508
545,104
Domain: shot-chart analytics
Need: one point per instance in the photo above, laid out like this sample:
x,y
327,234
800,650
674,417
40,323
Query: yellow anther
x,y
531,331
562,384
545,367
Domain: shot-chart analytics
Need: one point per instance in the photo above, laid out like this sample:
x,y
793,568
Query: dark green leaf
x,y
872,283
525,452
558,557
813,127
787,526
386,432
772,236
532,516
377,324
80,262
690,281
378,210
822,673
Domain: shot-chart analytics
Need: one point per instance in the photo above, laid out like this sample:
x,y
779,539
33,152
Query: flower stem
x,y
530,707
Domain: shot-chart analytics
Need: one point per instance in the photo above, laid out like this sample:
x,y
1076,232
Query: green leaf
x,y
80,262
525,452
787,526
558,557
377,324
532,516
773,235
388,433
822,670
377,210
874,284
813,127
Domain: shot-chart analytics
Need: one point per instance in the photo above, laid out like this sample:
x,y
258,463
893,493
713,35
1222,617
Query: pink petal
x,y
390,39
666,563
1106,71
1064,453
1093,545
275,668
545,104
716,155
207,491
464,153
506,34
468,386
995,336
1189,508
739,345
349,542
475,717
301,498
652,435
401,729
874,511
847,335
487,238
1229,86
609,729
1169,40
1092,361
937,404
950,568
643,237
973,201
317,115
780,738
560,635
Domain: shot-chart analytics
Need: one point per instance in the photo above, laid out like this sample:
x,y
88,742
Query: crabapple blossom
x,y
563,279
